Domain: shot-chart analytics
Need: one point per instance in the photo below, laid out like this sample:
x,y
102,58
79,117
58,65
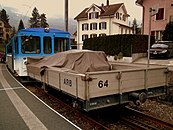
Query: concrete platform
x,y
21,110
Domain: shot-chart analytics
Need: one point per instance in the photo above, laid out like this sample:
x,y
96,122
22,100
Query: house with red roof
x,y
163,16
103,20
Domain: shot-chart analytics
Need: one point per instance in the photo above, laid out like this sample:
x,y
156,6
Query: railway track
x,y
83,121
138,120
133,118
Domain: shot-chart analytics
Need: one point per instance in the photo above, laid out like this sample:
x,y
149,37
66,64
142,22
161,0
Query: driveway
x,y
167,62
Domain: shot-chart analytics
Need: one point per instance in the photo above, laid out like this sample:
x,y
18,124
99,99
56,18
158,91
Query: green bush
x,y
114,44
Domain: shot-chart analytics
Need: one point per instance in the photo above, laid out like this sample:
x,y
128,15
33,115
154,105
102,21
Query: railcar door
x,y
61,44
10,55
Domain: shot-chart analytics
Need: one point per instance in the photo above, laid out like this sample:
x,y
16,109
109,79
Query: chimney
x,y
107,3
102,5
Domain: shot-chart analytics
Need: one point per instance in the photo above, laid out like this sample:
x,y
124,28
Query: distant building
x,y
5,31
102,20
160,20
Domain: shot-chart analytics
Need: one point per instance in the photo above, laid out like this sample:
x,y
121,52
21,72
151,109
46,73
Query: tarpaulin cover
x,y
80,61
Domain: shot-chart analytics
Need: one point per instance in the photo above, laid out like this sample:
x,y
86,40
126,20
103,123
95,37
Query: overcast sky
x,y
55,8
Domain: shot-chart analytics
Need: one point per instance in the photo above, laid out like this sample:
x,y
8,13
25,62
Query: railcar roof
x,y
51,30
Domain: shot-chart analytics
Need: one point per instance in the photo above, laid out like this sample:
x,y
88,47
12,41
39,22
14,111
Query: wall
x,y
159,24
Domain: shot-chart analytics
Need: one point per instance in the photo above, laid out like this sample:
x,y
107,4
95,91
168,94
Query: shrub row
x,y
114,44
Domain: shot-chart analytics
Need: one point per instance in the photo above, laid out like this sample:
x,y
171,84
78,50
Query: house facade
x,y
5,31
102,20
158,21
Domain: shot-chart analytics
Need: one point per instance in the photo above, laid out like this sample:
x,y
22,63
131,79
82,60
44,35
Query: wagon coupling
x,y
86,78
138,98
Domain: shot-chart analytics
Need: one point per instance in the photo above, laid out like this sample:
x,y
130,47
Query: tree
x,y
35,19
43,21
168,32
21,25
4,15
136,28
134,25
13,31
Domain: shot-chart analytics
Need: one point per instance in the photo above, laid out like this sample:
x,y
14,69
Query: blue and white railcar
x,y
34,42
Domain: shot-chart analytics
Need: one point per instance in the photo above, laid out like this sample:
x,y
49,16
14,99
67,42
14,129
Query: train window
x,y
30,45
47,43
65,45
60,44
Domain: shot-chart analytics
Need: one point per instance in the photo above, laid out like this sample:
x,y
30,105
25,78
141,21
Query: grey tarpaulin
x,y
80,61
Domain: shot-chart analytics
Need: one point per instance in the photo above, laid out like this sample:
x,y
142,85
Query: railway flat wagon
x,y
94,83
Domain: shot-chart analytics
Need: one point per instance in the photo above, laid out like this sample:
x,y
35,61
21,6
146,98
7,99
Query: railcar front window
x,y
47,45
30,45
60,44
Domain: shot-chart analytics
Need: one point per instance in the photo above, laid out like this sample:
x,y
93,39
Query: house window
x,y
93,15
160,14
152,33
102,35
125,31
120,15
94,8
84,26
93,35
7,30
129,31
157,35
171,18
85,36
93,26
102,25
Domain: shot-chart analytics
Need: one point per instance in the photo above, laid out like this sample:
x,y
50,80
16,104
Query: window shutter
x,y
97,15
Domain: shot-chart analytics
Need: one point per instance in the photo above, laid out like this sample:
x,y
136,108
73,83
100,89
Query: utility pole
x,y
66,15
152,12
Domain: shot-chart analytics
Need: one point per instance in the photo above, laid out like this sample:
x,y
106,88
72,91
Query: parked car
x,y
163,49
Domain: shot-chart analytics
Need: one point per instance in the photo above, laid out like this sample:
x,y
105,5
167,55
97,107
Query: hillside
x,y
57,23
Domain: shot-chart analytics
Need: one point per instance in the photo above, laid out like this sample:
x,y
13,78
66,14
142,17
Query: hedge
x,y
114,44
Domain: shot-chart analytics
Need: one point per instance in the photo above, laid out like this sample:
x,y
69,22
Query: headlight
x,y
164,51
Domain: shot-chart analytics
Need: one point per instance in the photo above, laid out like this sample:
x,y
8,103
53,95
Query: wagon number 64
x,y
102,83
